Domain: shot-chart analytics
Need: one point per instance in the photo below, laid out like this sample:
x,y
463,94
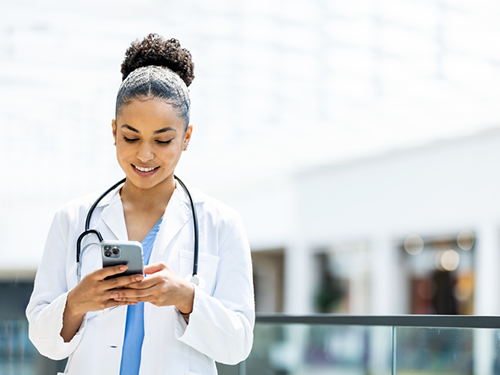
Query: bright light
x,y
465,239
450,260
464,288
414,244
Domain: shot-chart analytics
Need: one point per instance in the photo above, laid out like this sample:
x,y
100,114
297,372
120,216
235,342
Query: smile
x,y
142,169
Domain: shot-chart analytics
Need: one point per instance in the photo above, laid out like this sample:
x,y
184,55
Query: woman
x,y
165,324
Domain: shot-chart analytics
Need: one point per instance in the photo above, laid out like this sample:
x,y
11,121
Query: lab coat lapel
x,y
175,217
112,215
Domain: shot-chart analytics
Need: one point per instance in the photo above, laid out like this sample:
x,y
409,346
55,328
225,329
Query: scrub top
x,y
134,328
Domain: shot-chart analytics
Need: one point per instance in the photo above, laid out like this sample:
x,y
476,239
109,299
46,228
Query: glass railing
x,y
373,345
329,344
18,356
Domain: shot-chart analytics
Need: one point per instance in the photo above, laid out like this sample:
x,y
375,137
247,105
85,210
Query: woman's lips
x,y
145,171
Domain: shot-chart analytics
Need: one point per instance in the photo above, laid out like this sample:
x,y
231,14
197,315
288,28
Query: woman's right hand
x,y
93,293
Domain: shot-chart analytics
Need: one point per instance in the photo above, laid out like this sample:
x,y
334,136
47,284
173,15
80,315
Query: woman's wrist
x,y
71,309
186,307
72,319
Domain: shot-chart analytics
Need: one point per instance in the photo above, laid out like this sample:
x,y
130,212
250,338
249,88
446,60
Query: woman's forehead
x,y
149,114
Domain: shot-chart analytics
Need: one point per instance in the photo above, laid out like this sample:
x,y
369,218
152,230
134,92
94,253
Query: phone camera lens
x,y
116,251
107,247
107,253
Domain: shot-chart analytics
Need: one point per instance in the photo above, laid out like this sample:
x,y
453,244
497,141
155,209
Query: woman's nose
x,y
144,153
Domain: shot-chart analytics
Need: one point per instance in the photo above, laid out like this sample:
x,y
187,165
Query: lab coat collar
x,y
177,213
111,197
197,195
175,217
112,214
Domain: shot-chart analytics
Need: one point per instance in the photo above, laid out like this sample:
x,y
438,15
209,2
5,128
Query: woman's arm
x,y
48,300
93,293
221,325
56,315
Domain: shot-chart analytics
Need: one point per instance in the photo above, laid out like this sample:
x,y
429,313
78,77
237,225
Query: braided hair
x,y
157,68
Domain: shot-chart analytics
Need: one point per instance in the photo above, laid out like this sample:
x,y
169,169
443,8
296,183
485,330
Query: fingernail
x,y
138,277
114,295
123,268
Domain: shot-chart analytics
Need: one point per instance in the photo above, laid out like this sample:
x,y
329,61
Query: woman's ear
x,y
113,126
187,137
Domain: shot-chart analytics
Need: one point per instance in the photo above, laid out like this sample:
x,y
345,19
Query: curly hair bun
x,y
154,50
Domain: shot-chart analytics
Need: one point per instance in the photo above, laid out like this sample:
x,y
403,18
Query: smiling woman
x,y
149,137
169,325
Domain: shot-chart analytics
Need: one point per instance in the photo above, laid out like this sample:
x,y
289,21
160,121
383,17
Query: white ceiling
x,y
280,85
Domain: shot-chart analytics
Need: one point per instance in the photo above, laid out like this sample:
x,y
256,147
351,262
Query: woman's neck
x,y
154,198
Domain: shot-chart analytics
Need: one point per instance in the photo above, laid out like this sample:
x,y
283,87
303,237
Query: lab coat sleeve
x,y
48,301
221,326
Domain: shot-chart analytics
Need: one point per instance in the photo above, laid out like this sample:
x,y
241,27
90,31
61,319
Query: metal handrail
x,y
431,321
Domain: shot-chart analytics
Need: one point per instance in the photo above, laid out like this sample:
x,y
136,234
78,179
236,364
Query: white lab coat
x,y
221,325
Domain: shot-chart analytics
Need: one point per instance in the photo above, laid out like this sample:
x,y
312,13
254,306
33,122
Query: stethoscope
x,y
194,277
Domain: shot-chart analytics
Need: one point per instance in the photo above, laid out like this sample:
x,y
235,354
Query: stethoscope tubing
x,y
195,226
99,236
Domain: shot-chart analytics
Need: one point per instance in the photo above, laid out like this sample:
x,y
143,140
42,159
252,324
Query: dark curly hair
x,y
154,50
157,68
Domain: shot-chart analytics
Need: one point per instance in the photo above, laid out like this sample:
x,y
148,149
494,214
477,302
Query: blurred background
x,y
359,140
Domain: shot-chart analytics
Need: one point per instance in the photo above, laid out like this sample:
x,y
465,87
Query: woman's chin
x,y
146,183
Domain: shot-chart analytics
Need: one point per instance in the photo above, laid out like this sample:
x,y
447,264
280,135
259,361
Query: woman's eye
x,y
163,142
130,139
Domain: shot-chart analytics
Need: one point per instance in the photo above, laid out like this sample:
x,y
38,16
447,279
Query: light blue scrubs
x,y
134,328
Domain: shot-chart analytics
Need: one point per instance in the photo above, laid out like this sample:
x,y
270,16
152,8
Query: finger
x,y
147,282
128,300
129,294
121,281
110,271
155,267
113,303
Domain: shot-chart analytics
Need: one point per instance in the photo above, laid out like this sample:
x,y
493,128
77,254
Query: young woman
x,y
164,324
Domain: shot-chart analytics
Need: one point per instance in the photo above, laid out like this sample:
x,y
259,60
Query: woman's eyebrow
x,y
163,130
130,128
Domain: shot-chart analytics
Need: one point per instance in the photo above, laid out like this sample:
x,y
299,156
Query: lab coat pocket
x,y
207,269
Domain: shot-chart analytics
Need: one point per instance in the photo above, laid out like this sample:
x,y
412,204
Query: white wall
x,y
443,186
436,189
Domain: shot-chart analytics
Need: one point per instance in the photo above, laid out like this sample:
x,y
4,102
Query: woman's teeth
x,y
144,169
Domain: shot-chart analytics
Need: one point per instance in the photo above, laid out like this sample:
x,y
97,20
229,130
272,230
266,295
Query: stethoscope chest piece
x,y
196,280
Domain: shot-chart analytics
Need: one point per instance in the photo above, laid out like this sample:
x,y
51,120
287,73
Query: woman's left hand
x,y
162,288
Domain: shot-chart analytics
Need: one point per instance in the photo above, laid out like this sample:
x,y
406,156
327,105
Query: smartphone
x,y
115,253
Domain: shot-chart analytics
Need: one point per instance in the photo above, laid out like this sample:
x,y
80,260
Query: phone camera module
x,y
111,251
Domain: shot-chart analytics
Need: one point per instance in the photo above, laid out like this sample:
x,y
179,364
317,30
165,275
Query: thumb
x,y
155,267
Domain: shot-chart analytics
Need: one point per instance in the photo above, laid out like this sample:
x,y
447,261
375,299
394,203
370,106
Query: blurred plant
x,y
330,291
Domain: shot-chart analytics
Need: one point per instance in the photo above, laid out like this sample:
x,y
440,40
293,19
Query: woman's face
x,y
149,137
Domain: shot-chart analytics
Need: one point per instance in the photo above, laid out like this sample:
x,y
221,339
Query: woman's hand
x,y
162,288
93,293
